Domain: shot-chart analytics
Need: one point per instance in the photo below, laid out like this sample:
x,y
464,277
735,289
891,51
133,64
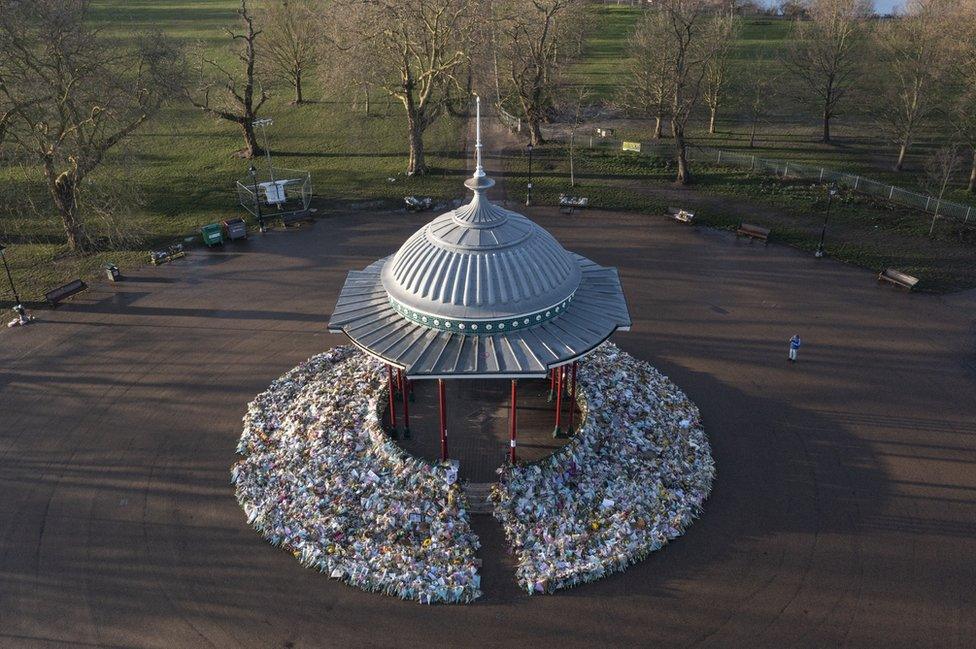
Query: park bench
x,y
157,257
290,218
753,232
897,278
569,203
681,215
418,203
54,296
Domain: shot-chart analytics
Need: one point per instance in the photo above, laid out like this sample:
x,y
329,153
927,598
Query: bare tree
x,y
647,91
228,95
70,95
756,93
962,112
696,36
578,98
292,40
537,39
824,54
939,170
915,50
414,50
718,69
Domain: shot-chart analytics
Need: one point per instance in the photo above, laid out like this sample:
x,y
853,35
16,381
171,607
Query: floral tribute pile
x,y
320,479
634,477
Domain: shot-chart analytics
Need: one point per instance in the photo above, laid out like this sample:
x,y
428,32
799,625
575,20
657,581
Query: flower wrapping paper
x,y
634,477
319,478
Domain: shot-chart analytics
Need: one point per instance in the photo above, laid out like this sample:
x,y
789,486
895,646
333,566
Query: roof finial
x,y
479,171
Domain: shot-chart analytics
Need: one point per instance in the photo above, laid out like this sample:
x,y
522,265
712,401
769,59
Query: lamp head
x,y
252,170
529,147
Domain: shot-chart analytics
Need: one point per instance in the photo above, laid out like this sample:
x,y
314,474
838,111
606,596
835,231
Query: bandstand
x,y
480,292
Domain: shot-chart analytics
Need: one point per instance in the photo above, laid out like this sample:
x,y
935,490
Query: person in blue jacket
x,y
794,346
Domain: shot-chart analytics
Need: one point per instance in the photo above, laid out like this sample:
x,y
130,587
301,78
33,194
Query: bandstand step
x,y
477,494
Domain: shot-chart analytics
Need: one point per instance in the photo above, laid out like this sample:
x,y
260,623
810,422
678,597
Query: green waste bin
x,y
212,235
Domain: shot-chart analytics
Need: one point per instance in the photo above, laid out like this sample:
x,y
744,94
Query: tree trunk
x,y
826,126
902,150
535,131
65,199
680,155
972,175
416,165
711,119
657,127
752,135
251,147
298,88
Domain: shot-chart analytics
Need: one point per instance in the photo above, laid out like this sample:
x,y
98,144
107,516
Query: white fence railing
x,y
787,169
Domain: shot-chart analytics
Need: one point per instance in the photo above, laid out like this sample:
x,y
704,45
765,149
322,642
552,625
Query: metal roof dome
x,y
480,291
480,266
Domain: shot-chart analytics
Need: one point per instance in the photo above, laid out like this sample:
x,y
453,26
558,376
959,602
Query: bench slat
x,y
67,290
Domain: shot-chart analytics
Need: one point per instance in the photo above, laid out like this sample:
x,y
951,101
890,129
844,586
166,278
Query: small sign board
x,y
604,132
632,146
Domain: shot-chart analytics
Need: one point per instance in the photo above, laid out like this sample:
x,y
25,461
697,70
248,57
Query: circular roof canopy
x,y
480,266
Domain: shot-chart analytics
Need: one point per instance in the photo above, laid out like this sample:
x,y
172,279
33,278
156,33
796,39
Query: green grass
x,y
179,172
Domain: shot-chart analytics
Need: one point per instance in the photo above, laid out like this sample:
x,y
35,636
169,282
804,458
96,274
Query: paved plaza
x,y
843,512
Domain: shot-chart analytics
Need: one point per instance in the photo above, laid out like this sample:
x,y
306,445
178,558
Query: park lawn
x,y
790,130
178,172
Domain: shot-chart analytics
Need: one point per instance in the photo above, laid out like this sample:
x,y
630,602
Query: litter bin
x,y
235,229
112,272
212,236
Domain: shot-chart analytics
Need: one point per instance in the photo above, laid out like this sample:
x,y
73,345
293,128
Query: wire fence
x,y
795,170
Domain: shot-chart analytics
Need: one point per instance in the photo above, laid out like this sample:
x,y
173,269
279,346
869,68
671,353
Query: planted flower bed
x,y
320,479
634,477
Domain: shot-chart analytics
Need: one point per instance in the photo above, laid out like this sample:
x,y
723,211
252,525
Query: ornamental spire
x,y
479,181
479,171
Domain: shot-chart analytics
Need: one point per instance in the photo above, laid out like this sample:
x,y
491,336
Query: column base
x,y
557,433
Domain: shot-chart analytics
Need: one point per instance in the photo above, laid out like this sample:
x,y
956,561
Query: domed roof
x,y
480,264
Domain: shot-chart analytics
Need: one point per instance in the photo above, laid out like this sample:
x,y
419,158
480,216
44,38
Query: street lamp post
x,y
13,289
831,192
257,198
528,193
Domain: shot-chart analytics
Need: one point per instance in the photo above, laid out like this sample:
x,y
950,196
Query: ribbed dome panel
x,y
481,262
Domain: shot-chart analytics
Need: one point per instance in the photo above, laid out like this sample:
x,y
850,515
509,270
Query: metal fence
x,y
512,122
796,170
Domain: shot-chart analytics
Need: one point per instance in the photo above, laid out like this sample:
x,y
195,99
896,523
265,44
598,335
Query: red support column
x,y
404,388
558,430
513,424
393,422
440,390
572,399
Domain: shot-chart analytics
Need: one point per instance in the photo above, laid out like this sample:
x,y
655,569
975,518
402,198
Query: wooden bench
x,y
157,257
681,215
753,232
897,278
289,218
569,203
54,296
419,203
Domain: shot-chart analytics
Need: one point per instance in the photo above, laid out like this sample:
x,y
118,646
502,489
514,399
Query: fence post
x,y
857,181
928,199
968,210
891,193
753,168
821,174
786,169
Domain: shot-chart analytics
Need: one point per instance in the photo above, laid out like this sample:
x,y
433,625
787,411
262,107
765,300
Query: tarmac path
x,y
843,514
